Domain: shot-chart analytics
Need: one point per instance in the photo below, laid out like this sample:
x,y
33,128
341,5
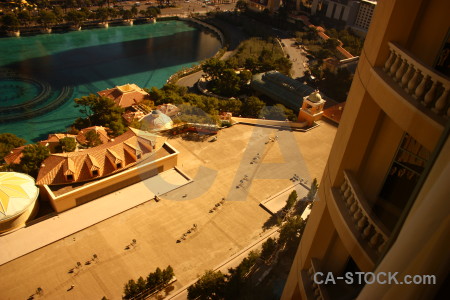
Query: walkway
x,y
28,239
299,61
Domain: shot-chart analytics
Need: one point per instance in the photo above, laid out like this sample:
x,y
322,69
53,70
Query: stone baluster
x,y
354,207
401,71
395,66
441,102
407,76
375,239
430,95
357,215
389,61
367,230
347,192
362,223
420,90
412,84
343,186
350,201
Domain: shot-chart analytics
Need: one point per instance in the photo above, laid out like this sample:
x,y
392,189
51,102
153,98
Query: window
x,y
139,155
407,166
119,165
69,177
95,173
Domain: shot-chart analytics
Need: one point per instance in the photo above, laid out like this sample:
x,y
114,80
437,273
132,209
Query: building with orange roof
x,y
334,113
52,140
70,179
126,95
96,162
14,156
100,130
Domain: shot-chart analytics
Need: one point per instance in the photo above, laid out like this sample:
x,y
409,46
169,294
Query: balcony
x,y
363,234
419,81
312,289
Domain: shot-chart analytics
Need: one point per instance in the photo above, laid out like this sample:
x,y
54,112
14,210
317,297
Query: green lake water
x,y
41,75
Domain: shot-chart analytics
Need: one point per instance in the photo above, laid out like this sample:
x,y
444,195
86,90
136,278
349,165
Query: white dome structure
x,y
157,121
18,195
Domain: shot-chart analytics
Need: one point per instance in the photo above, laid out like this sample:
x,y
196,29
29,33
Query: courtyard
x,y
245,165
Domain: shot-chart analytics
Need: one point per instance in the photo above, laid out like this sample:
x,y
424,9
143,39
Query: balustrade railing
x,y
420,81
319,291
369,227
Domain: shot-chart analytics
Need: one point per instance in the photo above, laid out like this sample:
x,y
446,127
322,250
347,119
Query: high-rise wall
x,y
388,165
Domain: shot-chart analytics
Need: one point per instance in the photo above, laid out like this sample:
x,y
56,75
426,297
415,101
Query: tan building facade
x,y
382,203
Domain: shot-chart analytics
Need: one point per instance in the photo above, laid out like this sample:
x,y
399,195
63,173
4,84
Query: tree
x,y
268,247
331,44
67,144
291,232
209,286
130,289
33,156
134,11
46,18
278,112
10,21
24,17
228,83
213,67
291,200
92,138
100,111
9,141
167,275
75,17
252,107
313,190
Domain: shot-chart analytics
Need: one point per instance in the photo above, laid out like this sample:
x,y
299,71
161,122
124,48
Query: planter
x,y
45,30
127,22
13,33
75,28
103,25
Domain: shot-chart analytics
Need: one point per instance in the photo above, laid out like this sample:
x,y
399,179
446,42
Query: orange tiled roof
x,y
103,160
125,95
334,112
14,156
101,131
55,137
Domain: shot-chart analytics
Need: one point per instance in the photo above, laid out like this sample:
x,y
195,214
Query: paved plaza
x,y
246,165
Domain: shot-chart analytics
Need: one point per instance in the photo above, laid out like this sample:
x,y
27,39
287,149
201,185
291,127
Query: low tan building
x,y
71,179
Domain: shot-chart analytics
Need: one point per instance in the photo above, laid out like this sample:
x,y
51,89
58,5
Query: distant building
x,y
100,130
52,140
18,200
14,156
126,95
312,108
156,121
281,88
356,14
97,162
260,5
